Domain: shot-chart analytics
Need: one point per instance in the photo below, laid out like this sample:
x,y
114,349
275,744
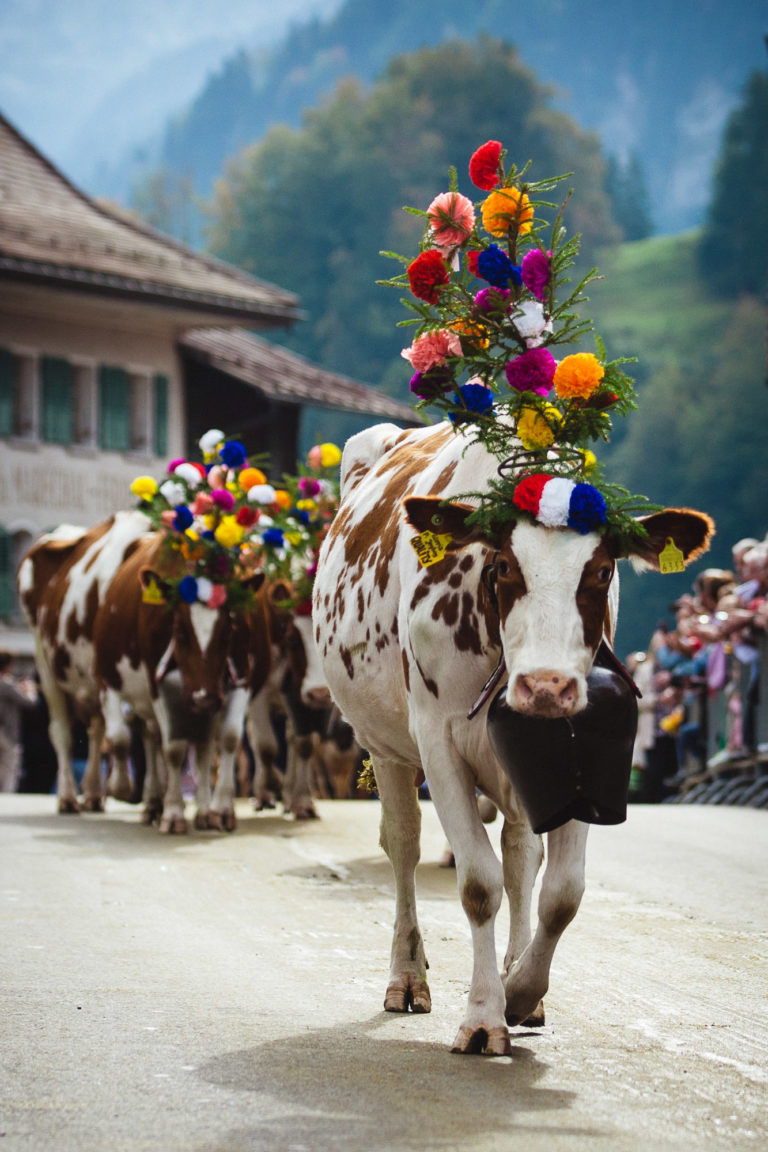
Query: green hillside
x,y
699,435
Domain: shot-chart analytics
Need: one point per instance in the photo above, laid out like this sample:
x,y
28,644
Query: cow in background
x,y
406,651
62,581
185,670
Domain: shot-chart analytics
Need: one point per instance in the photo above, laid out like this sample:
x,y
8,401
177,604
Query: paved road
x,y
223,993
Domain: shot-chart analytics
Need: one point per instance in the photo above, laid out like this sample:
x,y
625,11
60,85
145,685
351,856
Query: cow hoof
x,y
226,820
173,825
491,1041
93,804
304,812
263,804
68,807
537,1018
206,822
152,814
408,992
122,792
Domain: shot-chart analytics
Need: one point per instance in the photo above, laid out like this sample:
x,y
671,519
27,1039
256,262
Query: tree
x,y
311,209
733,255
628,195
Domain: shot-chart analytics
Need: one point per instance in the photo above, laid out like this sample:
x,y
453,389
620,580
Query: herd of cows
x,y
197,677
403,647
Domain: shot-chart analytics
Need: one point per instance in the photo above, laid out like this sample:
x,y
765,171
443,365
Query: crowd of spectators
x,y
700,676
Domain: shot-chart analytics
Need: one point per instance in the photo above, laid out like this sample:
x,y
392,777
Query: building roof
x,y
284,376
52,233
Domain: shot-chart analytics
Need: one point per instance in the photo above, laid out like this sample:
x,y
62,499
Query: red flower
x,y
528,492
427,275
472,259
484,165
246,516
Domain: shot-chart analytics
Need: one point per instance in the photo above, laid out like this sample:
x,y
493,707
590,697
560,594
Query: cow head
x,y
200,648
551,590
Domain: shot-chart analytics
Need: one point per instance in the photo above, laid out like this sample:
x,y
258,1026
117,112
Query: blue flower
x,y
586,511
273,537
232,453
188,589
471,398
496,267
183,518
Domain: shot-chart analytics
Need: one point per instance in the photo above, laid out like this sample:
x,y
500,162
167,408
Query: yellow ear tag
x,y
430,548
671,558
151,593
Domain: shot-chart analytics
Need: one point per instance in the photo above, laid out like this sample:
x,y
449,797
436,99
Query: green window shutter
x,y
114,409
7,591
57,379
7,389
160,387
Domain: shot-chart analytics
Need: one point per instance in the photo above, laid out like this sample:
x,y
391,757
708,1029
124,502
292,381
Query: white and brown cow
x,y
62,581
407,650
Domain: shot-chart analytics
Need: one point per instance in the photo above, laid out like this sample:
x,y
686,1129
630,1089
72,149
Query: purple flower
x,y
223,499
586,511
496,267
492,299
309,487
532,371
430,385
535,270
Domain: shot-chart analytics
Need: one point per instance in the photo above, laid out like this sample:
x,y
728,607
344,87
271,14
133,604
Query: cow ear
x,y
431,514
155,588
280,593
253,581
688,531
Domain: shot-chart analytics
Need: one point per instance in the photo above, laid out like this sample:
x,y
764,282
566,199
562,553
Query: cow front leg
x,y
561,891
173,819
297,788
400,836
263,741
521,854
480,882
155,778
230,733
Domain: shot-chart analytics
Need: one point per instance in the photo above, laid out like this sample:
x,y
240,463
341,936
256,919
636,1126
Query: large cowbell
x,y
571,769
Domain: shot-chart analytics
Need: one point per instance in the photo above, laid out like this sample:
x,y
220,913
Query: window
x,y
160,385
7,391
57,378
7,581
114,409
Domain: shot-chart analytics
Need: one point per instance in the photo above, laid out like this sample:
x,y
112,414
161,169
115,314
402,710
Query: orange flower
x,y
505,208
578,375
283,499
475,335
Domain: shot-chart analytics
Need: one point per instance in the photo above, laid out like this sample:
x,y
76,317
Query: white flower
x,y
530,322
188,472
261,494
209,442
204,589
173,492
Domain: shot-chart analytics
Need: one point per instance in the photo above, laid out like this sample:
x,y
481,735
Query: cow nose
x,y
204,701
317,698
546,694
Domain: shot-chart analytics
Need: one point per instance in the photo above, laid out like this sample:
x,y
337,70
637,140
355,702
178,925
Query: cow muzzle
x,y
546,694
202,701
317,698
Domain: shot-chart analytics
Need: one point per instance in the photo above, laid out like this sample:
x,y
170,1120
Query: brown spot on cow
x,y
475,901
346,658
592,595
406,670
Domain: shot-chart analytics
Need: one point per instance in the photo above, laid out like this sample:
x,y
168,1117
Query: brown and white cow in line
x,y
62,581
101,649
406,651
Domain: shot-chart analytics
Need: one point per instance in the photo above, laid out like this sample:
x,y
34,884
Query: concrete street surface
x,y
224,992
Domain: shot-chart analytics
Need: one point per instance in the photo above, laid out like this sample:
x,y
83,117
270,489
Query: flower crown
x,y
481,352
221,520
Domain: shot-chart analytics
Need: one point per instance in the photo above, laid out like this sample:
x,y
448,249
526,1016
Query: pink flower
x,y
168,517
223,499
202,504
535,270
218,596
452,217
432,348
532,371
217,476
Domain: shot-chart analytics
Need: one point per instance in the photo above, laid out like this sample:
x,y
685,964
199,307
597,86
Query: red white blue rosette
x,y
557,502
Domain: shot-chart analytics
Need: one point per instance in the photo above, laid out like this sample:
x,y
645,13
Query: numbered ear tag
x,y
671,558
430,547
151,593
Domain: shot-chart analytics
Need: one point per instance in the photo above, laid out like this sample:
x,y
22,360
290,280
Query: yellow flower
x,y
535,428
475,335
330,455
229,532
306,505
578,375
504,208
293,538
590,460
144,487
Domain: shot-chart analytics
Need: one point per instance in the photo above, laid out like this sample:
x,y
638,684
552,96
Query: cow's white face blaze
x,y
552,590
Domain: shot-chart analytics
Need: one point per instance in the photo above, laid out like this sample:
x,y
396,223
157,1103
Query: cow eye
x,y
604,574
502,567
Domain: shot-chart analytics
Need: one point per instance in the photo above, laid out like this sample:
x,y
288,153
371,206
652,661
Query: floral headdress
x,y
221,520
486,288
